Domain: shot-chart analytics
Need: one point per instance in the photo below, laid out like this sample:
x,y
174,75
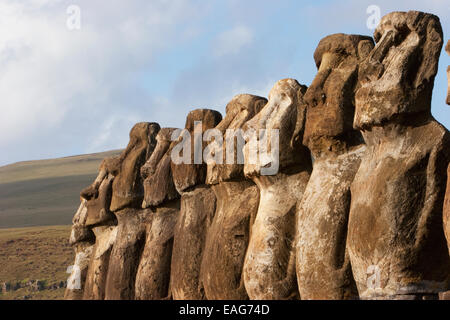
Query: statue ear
x,y
364,49
431,49
259,105
297,136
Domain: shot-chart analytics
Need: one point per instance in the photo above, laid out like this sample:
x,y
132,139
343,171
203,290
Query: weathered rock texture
x,y
128,190
187,175
82,240
395,237
198,204
237,202
447,194
323,265
105,236
98,196
371,220
127,197
153,275
104,225
196,213
447,48
157,172
239,110
269,267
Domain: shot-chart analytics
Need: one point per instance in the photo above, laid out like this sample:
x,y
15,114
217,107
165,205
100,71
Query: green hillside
x,y
45,192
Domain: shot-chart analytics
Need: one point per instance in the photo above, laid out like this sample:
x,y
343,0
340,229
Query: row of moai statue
x,y
355,211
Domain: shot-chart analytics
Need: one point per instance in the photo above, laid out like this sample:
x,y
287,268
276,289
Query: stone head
x,y
239,110
127,188
192,172
397,78
156,172
330,97
98,197
274,126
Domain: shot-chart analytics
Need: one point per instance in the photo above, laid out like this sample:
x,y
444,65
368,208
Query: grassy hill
x,y
45,192
37,253
37,202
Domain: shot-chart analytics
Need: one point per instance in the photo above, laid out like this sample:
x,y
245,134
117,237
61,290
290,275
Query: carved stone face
x,y
189,175
80,232
397,77
156,172
98,197
128,190
329,98
239,110
98,207
163,141
280,113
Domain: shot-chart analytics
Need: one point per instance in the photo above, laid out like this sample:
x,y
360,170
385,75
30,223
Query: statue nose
x,y
315,93
314,96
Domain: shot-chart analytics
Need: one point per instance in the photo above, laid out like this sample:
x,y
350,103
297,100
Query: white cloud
x,y
111,132
343,16
232,41
65,92
82,78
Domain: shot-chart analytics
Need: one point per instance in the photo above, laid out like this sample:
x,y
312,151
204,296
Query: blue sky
x,y
72,92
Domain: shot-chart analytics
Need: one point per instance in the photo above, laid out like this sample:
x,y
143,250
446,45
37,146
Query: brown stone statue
x,y
395,237
82,240
447,48
446,214
269,267
447,196
126,201
162,199
233,208
237,201
104,225
323,265
198,204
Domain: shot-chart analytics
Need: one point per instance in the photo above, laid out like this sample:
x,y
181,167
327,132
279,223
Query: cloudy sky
x,y
66,91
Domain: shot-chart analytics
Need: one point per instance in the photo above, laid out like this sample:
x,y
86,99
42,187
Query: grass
x,y
37,253
41,202
45,192
52,168
37,202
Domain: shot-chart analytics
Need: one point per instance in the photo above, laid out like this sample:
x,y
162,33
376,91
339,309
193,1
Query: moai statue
x,y
269,266
198,204
237,201
446,295
82,240
447,196
395,237
323,266
163,203
104,225
126,201
447,48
